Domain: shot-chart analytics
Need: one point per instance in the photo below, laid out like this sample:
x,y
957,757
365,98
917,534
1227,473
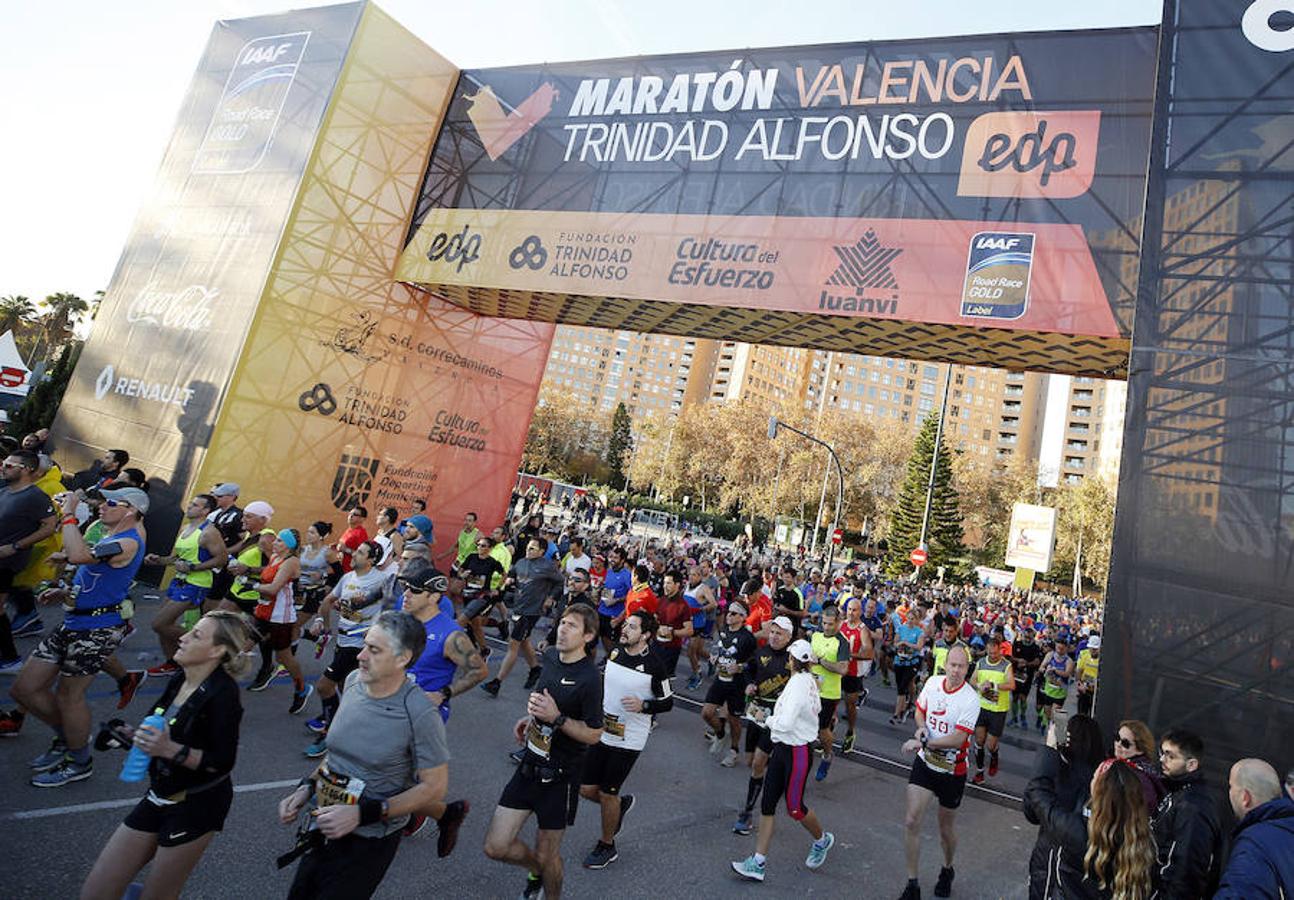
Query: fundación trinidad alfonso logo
x,y
499,130
353,483
865,267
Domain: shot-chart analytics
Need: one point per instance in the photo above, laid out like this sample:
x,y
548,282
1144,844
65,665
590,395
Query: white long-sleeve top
x,y
795,715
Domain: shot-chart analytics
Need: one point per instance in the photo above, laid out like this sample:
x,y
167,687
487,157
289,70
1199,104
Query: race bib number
x,y
727,668
337,790
613,726
539,739
756,712
939,760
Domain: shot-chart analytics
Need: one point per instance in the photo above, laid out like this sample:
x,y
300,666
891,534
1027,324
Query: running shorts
x,y
344,661
993,720
728,693
903,677
553,803
79,653
851,684
787,775
827,715
179,823
668,655
608,767
182,592
519,626
758,738
946,787
277,634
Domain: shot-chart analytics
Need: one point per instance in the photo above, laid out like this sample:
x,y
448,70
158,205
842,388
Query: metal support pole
x,y
822,502
934,462
773,426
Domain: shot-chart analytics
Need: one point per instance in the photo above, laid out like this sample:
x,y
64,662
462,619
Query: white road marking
x,y
50,811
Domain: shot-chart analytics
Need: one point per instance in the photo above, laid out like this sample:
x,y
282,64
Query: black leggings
x,y
345,869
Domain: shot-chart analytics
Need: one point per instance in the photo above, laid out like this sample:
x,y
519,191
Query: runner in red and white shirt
x,y
859,636
947,710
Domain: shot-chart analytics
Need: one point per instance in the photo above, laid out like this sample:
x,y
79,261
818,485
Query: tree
x,y
565,438
988,491
38,410
944,533
15,311
1084,514
62,311
619,443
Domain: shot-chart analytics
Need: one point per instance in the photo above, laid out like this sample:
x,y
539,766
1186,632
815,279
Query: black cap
x,y
423,576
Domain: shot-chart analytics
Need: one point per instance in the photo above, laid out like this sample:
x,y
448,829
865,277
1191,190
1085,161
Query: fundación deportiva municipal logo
x,y
353,482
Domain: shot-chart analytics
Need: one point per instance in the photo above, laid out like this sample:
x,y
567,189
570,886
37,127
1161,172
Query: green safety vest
x,y
996,674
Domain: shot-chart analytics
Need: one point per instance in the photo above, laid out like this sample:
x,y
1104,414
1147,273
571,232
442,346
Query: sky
x,y
91,89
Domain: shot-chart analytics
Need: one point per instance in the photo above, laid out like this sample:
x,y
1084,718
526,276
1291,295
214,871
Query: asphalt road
x,y
676,842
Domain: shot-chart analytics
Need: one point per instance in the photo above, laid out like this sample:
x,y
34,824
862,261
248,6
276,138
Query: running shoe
x,y
492,686
167,668
742,825
944,886
29,625
886,682
749,868
862,698
626,804
895,720
51,757
992,765
318,726
449,824
300,698
65,772
11,666
730,759
714,741
818,850
129,685
533,678
321,642
694,682
911,892
601,856
848,743
414,826
534,887
823,768
262,679
10,725
317,749
979,778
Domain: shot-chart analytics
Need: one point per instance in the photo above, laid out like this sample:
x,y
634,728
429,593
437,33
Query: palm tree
x,y
15,310
62,310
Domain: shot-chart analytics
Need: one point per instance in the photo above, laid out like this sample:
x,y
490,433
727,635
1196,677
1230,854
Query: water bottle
x,y
135,768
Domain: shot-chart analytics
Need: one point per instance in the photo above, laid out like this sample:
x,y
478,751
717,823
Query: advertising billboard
x,y
969,182
1031,538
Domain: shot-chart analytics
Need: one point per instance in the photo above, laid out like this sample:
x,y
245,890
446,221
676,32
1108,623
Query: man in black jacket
x,y
1185,826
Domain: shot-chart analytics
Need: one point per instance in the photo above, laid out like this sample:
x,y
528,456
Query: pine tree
x,y
619,445
944,532
43,400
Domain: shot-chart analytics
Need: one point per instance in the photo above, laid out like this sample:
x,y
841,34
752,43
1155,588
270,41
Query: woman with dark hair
x,y
1106,849
1065,774
189,789
320,569
276,613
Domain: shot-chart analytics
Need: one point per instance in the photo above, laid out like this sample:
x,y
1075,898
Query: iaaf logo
x,y
1030,154
499,130
1259,31
190,309
152,391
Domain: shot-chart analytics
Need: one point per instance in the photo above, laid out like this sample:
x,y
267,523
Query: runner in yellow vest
x,y
831,662
197,553
950,638
995,680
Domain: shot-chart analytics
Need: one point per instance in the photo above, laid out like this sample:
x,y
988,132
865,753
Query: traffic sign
x,y
918,557
837,536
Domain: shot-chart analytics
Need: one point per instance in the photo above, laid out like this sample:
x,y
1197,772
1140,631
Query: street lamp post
x,y
773,426
934,462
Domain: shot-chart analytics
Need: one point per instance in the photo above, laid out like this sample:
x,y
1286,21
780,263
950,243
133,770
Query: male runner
x,y
467,538
831,657
701,598
564,716
1027,657
197,553
635,689
673,623
734,647
946,714
769,671
1087,668
995,682
859,636
949,638
539,583
449,665
611,605
354,535
27,517
478,572
1056,672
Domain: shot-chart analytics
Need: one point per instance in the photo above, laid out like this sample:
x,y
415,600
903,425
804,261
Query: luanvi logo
x,y
1259,30
1030,154
499,130
353,483
865,267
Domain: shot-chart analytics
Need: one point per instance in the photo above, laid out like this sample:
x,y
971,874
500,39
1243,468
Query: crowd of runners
x,y
781,654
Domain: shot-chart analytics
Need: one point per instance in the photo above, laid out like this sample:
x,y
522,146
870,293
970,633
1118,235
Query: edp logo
x,y
1258,29
462,247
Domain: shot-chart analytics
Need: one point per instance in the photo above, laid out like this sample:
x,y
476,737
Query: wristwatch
x,y
181,755
559,721
925,739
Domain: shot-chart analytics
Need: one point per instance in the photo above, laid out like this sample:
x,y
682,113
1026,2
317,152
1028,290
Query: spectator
x,y
1185,825
1262,857
1133,743
1068,770
1109,852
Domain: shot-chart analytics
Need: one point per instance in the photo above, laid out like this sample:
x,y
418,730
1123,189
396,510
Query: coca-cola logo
x,y
189,309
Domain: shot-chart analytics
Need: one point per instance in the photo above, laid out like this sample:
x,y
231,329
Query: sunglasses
x,y
1125,743
115,503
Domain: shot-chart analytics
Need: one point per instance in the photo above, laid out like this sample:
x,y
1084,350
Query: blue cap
x,y
420,522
